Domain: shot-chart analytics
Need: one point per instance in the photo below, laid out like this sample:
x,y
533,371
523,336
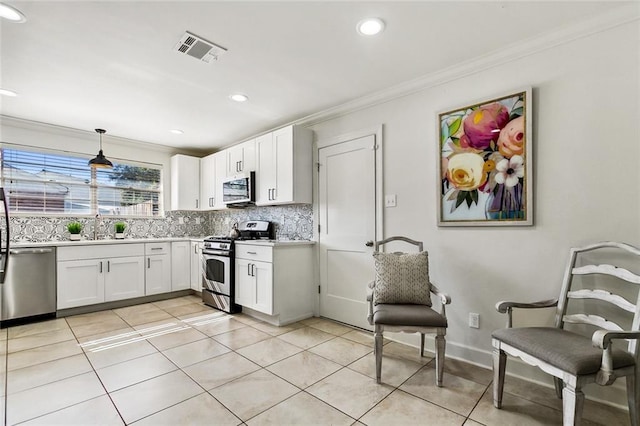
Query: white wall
x,y
586,146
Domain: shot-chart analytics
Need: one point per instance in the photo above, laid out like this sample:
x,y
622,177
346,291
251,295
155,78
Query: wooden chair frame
x,y
379,329
569,386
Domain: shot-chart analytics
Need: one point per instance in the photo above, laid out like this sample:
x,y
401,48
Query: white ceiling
x,y
110,64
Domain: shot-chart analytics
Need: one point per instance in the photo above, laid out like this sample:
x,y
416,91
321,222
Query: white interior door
x,y
347,219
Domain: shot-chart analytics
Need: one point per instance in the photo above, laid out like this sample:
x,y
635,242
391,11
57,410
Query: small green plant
x,y
120,227
74,227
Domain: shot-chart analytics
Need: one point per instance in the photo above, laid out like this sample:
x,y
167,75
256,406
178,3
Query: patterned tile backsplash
x,y
292,222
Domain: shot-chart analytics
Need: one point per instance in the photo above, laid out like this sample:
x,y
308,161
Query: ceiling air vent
x,y
199,48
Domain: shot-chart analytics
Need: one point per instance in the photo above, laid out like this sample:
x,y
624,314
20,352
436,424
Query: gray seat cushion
x,y
410,315
563,349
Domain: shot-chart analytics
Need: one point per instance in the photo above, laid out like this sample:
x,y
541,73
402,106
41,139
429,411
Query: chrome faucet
x,y
97,223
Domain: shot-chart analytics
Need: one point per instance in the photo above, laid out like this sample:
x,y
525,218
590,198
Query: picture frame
x,y
485,173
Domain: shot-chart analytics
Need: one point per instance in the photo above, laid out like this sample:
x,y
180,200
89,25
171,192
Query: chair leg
x,y
440,347
572,404
421,345
499,365
633,396
558,385
377,349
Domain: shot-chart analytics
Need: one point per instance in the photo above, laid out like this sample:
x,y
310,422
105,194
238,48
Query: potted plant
x,y
120,227
74,229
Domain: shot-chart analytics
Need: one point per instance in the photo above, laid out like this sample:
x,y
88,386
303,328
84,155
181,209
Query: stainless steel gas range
x,y
218,257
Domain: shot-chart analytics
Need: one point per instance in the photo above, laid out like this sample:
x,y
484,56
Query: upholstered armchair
x,y
399,301
575,360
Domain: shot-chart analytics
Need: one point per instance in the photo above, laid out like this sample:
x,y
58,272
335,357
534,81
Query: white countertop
x,y
69,243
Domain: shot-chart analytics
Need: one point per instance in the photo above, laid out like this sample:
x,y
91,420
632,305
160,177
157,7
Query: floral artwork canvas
x,y
485,171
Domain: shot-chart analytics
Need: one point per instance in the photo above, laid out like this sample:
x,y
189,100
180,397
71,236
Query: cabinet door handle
x,y
253,270
252,252
270,196
248,269
197,204
108,266
274,194
156,248
148,263
100,266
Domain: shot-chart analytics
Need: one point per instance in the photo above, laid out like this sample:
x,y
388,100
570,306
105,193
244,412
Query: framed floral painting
x,y
485,171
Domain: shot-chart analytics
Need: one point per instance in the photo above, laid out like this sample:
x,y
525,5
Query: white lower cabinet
x,y
254,285
80,282
196,265
124,278
158,268
275,279
180,265
88,275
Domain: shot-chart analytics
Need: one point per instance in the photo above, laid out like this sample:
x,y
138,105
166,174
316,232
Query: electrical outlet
x,y
474,320
390,200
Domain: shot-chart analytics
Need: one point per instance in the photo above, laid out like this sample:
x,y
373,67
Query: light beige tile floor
x,y
178,362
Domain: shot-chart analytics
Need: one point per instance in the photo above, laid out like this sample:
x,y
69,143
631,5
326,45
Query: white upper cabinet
x,y
185,182
283,170
221,169
241,158
213,170
207,182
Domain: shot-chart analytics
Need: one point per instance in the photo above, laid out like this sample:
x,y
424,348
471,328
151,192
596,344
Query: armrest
x,y
507,307
444,297
503,307
370,287
602,339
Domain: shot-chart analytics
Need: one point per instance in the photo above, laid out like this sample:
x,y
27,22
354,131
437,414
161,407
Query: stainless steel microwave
x,y
239,191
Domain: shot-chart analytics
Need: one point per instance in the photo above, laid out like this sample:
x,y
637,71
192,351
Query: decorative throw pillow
x,y
402,278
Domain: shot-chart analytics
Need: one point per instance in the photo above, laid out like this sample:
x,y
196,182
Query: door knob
x,y
369,243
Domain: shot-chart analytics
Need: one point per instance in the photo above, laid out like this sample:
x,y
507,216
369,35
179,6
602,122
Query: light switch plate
x,y
390,200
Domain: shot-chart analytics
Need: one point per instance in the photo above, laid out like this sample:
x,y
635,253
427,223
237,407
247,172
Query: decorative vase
x,y
74,237
119,235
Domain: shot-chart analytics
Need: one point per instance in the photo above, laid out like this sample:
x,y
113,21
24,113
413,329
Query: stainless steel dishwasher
x,y
29,289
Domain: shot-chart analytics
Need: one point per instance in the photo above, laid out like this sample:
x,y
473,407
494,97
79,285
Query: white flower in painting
x,y
509,171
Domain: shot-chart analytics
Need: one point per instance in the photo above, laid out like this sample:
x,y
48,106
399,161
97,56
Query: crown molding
x,y
625,14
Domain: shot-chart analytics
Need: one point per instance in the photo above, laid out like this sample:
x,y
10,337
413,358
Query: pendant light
x,y
100,161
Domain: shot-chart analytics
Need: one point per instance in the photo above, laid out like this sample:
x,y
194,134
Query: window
x,y
49,182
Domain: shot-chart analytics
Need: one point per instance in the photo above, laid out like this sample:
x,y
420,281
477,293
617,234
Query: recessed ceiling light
x,y
370,26
11,13
176,131
239,97
7,92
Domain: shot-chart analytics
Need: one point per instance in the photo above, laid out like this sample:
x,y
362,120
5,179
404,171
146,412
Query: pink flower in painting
x,y
483,125
511,140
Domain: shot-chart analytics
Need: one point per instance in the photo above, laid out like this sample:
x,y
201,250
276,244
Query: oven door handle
x,y
217,253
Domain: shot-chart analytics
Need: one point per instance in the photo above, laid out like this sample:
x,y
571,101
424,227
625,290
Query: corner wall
x,y
586,163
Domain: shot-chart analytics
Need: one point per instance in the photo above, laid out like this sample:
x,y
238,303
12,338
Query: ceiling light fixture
x,y
176,131
7,92
12,14
100,162
239,97
370,26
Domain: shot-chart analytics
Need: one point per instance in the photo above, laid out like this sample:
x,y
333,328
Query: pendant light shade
x,y
100,161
